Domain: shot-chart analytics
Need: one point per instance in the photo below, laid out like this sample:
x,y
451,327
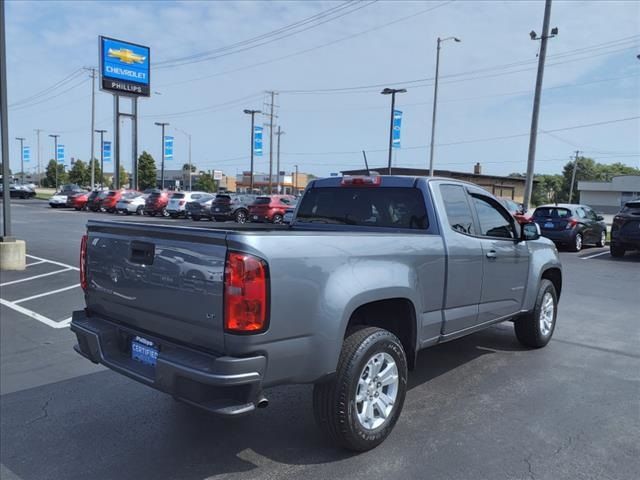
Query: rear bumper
x,y
219,384
560,236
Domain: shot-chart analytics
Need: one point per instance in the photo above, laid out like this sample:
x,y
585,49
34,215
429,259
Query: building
x,y
608,197
290,183
508,187
179,180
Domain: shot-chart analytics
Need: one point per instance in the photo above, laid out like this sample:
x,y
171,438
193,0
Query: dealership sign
x,y
124,67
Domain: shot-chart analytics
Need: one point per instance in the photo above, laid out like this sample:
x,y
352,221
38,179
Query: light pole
x,y
278,133
162,124
55,155
21,140
253,114
188,135
101,132
392,92
435,101
296,181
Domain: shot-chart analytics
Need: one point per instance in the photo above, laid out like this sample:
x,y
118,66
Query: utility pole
x,y
55,155
253,114
38,130
162,124
93,123
296,181
392,92
531,159
4,133
278,133
271,114
101,132
21,140
435,101
573,175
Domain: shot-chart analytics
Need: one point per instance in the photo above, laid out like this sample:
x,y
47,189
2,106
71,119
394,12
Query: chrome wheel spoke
x,y
376,390
389,375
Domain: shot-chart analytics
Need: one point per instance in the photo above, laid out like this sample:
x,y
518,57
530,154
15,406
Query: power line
x,y
207,109
33,104
50,88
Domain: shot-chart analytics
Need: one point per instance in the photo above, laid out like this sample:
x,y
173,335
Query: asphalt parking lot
x,y
481,407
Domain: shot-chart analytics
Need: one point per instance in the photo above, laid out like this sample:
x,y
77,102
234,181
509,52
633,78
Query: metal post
x,y
573,175
37,130
116,142
435,105
278,133
251,148
134,143
393,107
296,180
21,140
531,159
93,126
101,132
4,131
271,145
190,172
55,156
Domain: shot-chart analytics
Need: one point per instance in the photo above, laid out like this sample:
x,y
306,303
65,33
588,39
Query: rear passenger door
x,y
505,260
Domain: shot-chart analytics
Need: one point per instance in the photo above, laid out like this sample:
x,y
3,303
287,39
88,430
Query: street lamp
x,y
21,140
188,135
253,114
55,155
101,132
435,100
392,92
162,124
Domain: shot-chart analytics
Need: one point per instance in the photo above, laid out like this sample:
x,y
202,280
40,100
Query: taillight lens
x,y
245,294
83,262
571,223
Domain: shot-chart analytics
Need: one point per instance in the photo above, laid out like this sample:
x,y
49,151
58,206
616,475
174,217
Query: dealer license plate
x,y
144,351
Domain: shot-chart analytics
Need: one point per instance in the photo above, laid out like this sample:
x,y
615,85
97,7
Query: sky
x,y
328,73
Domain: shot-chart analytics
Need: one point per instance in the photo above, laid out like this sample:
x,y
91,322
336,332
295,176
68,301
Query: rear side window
x,y
552,212
457,208
368,207
262,201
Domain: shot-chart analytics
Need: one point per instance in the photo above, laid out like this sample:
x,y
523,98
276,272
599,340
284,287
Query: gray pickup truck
x,y
370,271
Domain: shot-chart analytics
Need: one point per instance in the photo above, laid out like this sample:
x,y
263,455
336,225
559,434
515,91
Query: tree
x,y
79,173
147,171
124,176
207,183
50,174
546,189
185,167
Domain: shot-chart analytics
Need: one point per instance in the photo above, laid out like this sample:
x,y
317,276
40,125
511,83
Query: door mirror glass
x,y
530,231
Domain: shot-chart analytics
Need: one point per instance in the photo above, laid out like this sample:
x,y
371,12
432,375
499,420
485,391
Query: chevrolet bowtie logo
x,y
126,56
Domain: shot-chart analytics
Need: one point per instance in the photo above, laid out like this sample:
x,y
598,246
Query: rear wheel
x,y
139,210
360,405
241,216
577,243
603,239
277,218
535,329
164,212
616,251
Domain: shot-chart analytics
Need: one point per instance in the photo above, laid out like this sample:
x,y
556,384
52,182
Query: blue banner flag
x,y
397,123
168,147
26,154
60,154
257,141
106,152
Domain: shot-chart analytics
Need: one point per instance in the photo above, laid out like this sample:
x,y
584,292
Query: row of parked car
x,y
195,205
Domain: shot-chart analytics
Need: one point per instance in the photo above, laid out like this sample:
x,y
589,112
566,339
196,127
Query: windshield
x,y
374,207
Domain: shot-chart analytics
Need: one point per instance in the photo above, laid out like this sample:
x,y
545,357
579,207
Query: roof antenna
x,y
364,154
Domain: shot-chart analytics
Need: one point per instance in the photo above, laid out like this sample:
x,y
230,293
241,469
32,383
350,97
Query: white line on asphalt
x,y
55,263
36,316
35,263
33,297
594,255
34,277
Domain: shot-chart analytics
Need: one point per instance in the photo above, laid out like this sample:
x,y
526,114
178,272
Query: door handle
x,y
491,254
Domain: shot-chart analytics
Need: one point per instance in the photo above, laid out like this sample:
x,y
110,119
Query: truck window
x,y
388,207
493,221
457,208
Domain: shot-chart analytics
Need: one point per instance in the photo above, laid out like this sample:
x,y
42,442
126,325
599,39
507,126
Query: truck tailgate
x,y
165,280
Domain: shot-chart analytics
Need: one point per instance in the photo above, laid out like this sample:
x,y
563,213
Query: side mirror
x,y
599,218
530,231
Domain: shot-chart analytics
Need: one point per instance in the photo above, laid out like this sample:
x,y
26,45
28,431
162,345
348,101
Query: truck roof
x,y
406,181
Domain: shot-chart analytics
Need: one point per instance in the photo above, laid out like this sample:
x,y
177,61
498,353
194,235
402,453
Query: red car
x,y
270,208
109,202
516,210
78,200
156,203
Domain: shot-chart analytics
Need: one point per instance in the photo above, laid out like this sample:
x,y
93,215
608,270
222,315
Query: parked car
x,y
156,203
94,202
625,230
19,191
132,202
78,200
110,201
58,199
571,225
288,213
515,209
200,208
231,207
269,208
372,270
176,207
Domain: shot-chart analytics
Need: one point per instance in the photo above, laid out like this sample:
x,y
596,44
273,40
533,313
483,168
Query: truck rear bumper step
x,y
219,384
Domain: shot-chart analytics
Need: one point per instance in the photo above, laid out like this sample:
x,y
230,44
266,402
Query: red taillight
x,y
245,294
362,181
83,262
571,223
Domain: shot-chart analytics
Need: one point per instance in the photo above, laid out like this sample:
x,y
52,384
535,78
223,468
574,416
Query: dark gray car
x,y
231,207
571,225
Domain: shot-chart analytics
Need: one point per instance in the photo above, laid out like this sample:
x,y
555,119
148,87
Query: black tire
x,y
164,212
603,239
334,401
528,326
153,214
578,243
617,251
241,216
277,218
139,210
195,218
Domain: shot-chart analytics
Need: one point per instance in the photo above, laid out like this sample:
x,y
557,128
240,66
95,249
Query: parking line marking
x,y
33,297
55,263
594,255
35,315
35,263
34,277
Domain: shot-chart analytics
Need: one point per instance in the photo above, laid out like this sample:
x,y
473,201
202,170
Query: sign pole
x,y
4,129
116,142
134,143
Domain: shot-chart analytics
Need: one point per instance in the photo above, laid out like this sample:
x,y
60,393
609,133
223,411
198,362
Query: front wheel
x,y
241,216
164,212
603,239
535,329
277,218
361,404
